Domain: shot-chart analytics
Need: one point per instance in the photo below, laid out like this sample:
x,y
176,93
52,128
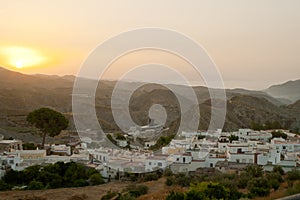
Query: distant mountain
x,y
287,91
20,94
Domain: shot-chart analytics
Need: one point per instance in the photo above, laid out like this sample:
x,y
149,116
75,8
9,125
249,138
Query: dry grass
x,y
157,191
82,193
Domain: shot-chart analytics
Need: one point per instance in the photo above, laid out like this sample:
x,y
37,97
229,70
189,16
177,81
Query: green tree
x,y
49,121
274,179
254,171
259,187
29,146
278,134
31,173
233,137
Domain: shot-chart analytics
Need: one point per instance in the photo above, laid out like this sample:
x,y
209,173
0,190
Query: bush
x,y
168,172
175,196
35,185
109,195
254,171
137,190
293,175
169,181
278,169
182,180
259,187
278,134
274,179
151,177
126,196
4,186
96,179
80,183
295,189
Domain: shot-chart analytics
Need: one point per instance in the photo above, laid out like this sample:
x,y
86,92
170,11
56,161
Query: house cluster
x,y
193,151
13,156
189,152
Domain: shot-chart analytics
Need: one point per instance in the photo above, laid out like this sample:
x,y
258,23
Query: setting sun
x,y
22,57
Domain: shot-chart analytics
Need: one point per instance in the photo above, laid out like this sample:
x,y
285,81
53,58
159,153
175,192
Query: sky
x,y
254,43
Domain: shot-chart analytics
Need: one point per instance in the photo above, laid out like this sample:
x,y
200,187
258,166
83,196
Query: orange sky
x,y
254,43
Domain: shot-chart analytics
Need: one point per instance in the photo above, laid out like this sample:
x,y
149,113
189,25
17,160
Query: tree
x,y
278,169
254,171
233,137
259,187
29,146
274,179
49,121
278,134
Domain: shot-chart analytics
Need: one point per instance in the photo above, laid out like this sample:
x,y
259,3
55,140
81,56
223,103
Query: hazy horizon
x,y
137,80
255,44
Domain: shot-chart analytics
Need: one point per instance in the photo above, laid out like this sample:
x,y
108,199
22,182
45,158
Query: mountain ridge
x,y
20,94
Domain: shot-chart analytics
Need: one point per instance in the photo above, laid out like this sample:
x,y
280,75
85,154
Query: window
x,y
211,165
183,159
149,163
159,164
238,160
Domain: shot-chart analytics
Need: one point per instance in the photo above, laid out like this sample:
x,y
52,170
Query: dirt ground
x,y
157,190
87,193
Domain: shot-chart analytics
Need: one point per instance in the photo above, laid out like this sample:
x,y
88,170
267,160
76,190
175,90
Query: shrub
x,y
109,195
278,169
35,185
259,187
96,179
137,190
175,196
4,186
293,175
182,180
151,177
168,172
169,181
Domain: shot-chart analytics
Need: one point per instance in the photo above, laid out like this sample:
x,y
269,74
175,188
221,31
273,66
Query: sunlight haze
x,y
254,43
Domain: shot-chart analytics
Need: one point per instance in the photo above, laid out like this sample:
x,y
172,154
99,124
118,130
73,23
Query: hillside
x,y
289,90
20,94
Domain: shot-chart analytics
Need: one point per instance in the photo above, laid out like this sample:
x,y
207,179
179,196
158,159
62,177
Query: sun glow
x,y
21,57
